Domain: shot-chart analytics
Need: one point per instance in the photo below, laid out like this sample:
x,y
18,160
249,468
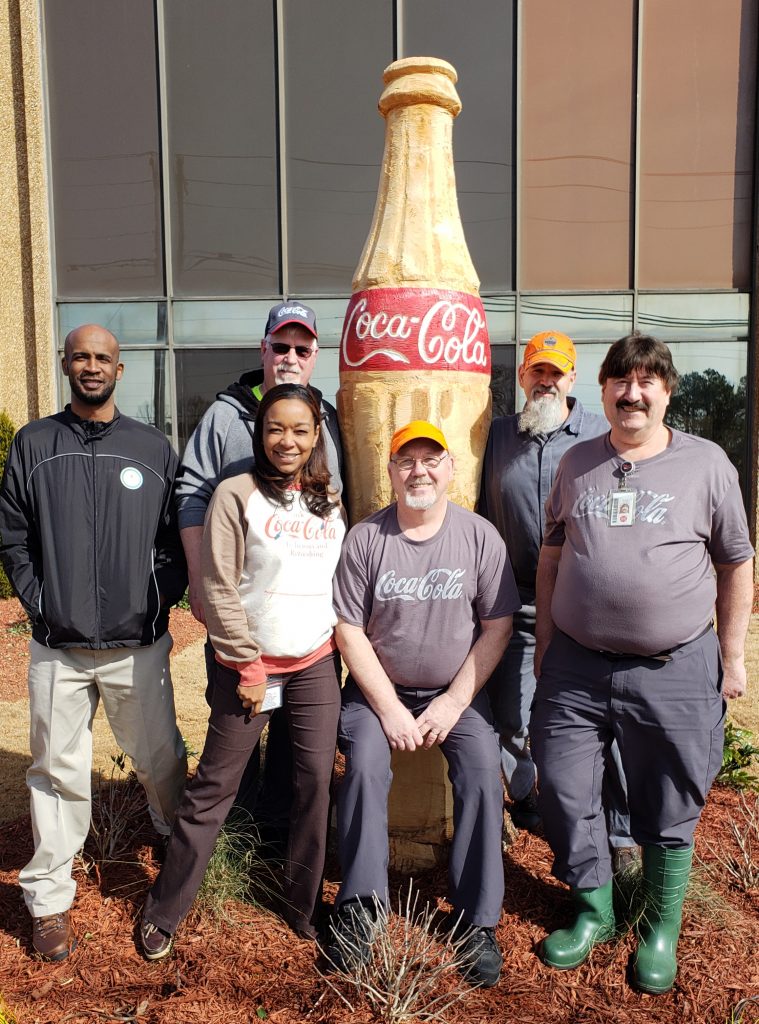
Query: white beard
x,y
419,501
541,415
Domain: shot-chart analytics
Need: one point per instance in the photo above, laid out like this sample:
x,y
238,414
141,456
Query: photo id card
x,y
622,508
273,696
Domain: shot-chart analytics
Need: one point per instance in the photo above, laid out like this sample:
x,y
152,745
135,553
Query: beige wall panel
x,y
27,385
697,123
577,129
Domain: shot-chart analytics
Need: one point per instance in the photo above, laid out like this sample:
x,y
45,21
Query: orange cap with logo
x,y
413,432
550,347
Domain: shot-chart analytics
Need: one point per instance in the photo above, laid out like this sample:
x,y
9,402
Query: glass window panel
x,y
502,380
200,375
696,147
330,315
104,147
501,317
131,323
220,323
483,131
577,130
222,135
326,373
334,135
582,317
694,317
143,391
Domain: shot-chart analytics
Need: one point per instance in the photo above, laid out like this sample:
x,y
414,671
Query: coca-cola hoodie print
x,y
88,533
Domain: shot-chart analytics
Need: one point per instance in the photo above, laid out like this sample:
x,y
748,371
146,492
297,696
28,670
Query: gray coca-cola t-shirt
x,y
647,587
421,602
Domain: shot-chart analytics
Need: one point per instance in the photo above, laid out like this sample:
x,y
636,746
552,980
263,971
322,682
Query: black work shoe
x,y
156,943
525,814
53,937
349,942
482,960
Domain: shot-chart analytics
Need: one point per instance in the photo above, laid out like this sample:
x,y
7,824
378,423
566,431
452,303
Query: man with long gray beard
x,y
521,459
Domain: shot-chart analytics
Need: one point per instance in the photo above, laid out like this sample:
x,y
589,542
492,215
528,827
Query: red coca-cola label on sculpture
x,y
415,329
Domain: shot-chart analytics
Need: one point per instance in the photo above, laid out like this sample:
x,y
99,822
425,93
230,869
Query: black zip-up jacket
x,y
88,533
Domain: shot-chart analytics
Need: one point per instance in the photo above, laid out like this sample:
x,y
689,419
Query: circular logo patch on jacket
x,y
131,478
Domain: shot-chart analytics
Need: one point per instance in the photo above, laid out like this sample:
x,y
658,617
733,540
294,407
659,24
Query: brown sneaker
x,y
155,942
53,936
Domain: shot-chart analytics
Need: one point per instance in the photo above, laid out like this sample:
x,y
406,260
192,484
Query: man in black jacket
x,y
89,540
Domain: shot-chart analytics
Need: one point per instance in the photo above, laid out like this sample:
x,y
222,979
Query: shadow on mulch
x,y
256,969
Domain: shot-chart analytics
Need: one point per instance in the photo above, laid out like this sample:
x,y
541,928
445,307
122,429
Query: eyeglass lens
x,y
301,351
429,462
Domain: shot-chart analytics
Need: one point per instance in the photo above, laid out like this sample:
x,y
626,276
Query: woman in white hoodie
x,y
271,542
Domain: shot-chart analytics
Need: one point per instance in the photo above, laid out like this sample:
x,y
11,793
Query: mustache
x,y
632,406
540,390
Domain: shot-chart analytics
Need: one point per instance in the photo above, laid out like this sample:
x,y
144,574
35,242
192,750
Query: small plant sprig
x,y
736,1014
739,757
118,805
409,959
742,867
236,871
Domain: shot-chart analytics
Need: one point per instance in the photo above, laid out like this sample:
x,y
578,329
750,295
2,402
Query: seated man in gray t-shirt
x,y
425,595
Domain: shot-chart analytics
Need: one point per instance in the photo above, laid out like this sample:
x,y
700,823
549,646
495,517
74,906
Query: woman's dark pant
x,y
667,717
312,706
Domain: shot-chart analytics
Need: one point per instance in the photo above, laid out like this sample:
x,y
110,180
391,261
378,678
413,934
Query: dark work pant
x,y
312,706
511,690
268,800
667,718
475,869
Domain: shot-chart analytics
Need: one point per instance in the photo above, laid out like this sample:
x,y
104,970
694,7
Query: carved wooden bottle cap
x,y
420,80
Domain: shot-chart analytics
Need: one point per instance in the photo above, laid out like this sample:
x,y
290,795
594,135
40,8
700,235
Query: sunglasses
x,y
280,348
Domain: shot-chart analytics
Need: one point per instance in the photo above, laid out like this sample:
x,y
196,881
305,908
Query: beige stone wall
x,y
27,383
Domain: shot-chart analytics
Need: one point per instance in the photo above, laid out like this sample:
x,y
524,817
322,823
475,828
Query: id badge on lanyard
x,y
622,501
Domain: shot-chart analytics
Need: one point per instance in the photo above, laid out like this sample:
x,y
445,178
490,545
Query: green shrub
x,y
738,759
7,430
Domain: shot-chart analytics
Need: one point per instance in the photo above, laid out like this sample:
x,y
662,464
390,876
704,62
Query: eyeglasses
x,y
428,461
280,348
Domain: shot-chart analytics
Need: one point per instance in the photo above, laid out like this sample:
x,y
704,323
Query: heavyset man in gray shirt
x,y
521,460
424,595
645,536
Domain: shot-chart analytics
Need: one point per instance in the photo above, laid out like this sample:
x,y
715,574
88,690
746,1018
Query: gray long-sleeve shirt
x,y
222,446
517,476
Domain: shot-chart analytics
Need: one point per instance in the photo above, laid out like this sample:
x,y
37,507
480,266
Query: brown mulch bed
x,y
255,969
14,644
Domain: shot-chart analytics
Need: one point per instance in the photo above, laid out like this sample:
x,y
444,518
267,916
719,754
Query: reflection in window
x,y
710,405
200,376
222,172
143,391
335,55
104,143
131,323
502,379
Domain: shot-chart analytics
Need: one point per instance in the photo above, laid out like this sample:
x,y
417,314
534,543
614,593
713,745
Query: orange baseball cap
x,y
413,432
550,347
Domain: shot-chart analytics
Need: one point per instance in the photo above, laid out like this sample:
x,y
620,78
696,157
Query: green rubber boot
x,y
569,947
665,876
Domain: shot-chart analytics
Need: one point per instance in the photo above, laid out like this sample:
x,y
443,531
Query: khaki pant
x,y
65,687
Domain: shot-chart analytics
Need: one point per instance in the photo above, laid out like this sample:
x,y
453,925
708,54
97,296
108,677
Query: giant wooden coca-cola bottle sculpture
x,y
415,342
415,346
